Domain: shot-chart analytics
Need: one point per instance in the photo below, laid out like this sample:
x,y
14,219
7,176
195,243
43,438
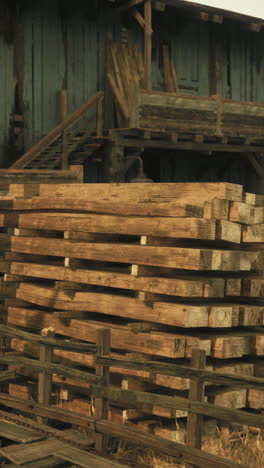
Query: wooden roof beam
x,y
130,4
218,19
204,16
255,164
159,5
255,27
141,21
148,45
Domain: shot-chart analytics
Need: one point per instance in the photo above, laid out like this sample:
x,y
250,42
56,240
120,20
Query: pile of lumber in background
x,y
167,267
8,216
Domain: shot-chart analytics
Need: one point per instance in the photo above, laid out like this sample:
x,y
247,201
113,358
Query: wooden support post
x,y
148,44
63,112
65,156
77,169
102,404
114,163
45,380
216,62
99,117
196,393
63,105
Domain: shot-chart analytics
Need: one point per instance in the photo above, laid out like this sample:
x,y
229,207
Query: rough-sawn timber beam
x,y
189,146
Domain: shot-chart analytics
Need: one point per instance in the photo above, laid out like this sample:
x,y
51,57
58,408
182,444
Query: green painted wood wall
x,y
7,97
62,49
62,44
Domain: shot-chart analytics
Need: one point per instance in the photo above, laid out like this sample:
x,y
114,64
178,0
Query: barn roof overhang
x,y
217,15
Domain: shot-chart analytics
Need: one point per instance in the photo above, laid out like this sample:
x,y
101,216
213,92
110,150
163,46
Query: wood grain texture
x,y
180,258
138,280
188,193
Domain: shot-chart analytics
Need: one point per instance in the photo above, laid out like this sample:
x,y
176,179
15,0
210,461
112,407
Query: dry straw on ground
x,y
244,448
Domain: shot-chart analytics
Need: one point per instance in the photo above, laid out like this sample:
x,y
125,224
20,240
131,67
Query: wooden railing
x,y
60,132
73,175
190,454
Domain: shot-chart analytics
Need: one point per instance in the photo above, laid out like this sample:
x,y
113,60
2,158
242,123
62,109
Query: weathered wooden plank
x,y
148,45
184,371
183,453
160,311
44,378
47,341
110,304
4,266
5,241
170,448
8,220
189,145
7,376
182,228
85,459
143,399
180,258
242,213
253,233
175,100
164,227
254,199
189,192
33,176
17,433
69,435
50,462
31,407
253,287
111,207
188,287
50,368
156,343
194,431
22,454
102,404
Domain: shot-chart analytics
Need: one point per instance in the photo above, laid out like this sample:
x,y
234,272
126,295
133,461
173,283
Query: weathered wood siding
x,y
7,85
62,49
190,167
188,42
243,64
61,44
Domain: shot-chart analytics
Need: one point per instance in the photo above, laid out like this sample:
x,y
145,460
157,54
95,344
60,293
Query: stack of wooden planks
x,y
125,75
168,267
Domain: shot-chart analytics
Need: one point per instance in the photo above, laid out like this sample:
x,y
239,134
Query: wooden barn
x,y
131,314
180,85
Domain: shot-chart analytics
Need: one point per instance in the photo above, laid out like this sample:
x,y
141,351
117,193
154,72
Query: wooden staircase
x,y
73,141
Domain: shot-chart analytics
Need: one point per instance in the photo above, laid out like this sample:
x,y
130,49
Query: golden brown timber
x,y
189,287
180,258
180,193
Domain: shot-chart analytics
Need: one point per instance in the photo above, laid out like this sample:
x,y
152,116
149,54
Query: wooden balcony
x,y
193,115
184,121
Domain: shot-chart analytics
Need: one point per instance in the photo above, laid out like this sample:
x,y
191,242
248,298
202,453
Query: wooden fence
x,y
190,454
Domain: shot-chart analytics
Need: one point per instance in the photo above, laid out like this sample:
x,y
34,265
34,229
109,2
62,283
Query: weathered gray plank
x,y
85,459
50,462
17,433
22,454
